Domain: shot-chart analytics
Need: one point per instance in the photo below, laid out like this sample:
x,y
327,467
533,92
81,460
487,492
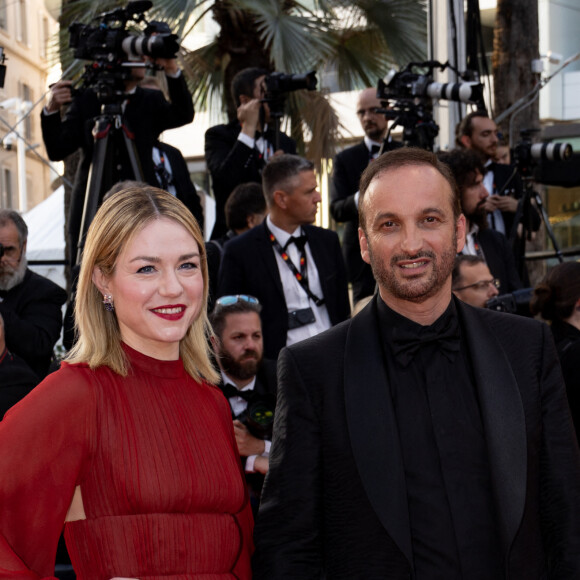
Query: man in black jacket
x,y
237,152
347,169
423,438
30,305
481,240
295,269
146,114
248,382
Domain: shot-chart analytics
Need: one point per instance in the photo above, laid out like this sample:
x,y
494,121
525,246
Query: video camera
x,y
407,97
114,50
408,84
518,302
527,156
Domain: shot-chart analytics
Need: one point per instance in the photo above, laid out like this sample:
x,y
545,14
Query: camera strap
x,y
302,275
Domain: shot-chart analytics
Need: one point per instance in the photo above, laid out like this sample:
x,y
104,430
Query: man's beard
x,y
415,290
11,277
478,217
243,368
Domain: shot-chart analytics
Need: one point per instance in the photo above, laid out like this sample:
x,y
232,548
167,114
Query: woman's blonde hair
x,y
119,219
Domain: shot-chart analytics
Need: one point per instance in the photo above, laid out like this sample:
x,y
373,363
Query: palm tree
x,y
359,40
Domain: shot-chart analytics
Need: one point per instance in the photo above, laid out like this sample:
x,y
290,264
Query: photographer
x,y
237,152
146,114
247,380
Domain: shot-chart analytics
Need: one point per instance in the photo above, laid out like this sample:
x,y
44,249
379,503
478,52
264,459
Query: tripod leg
x,y
95,182
133,156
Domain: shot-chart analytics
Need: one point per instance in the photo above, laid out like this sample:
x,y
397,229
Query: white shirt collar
x,y
227,381
281,235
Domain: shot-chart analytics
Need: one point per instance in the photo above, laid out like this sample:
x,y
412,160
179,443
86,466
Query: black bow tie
x,y
300,242
374,150
406,343
490,167
230,390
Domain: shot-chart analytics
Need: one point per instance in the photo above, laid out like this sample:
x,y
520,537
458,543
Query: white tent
x,y
45,224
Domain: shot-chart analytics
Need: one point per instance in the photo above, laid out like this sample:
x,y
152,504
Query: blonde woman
x,y
129,445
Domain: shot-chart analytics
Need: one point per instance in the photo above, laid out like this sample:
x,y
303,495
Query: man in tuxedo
x,y
347,168
294,269
146,114
479,133
248,382
237,152
481,240
424,438
30,305
472,281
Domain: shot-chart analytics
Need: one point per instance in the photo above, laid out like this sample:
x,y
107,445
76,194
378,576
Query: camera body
x,y
115,50
259,415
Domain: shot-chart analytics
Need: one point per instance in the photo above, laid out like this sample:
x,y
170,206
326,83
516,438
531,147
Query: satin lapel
x,y
503,421
266,254
373,428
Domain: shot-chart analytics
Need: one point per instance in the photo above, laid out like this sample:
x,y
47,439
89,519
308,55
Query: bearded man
x,y
423,438
248,382
29,304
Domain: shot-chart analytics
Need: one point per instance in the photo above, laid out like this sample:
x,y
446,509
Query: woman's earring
x,y
108,303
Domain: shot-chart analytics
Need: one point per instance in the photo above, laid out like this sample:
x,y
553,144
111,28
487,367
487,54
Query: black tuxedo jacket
x,y
334,503
249,267
500,259
33,320
16,380
147,114
231,162
184,188
347,169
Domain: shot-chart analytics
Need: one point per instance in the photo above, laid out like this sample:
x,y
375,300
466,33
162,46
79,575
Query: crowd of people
x,y
355,399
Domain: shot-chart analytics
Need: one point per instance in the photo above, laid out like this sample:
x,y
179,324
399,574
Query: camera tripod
x,y
114,145
524,213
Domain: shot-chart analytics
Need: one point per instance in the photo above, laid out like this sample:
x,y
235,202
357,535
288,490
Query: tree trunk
x,y
515,45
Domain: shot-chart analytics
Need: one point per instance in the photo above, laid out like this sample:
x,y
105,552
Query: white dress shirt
x,y
295,296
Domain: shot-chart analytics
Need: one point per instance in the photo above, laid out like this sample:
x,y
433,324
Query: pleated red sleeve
x,y
45,441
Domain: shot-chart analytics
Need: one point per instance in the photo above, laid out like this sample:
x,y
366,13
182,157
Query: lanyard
x,y
302,275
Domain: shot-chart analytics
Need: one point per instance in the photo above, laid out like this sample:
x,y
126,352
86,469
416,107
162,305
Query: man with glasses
x,y
481,240
29,304
472,281
347,169
248,382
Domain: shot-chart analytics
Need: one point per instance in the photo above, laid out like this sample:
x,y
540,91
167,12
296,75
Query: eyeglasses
x,y
483,285
234,299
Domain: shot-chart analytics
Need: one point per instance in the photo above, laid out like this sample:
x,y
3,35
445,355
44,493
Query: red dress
x,y
156,461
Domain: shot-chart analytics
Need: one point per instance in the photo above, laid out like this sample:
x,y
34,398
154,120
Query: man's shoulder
x,y
327,343
511,329
40,287
353,150
318,233
231,130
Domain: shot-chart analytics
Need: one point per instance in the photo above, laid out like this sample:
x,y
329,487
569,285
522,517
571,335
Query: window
x,y
22,22
3,16
25,93
6,189
44,36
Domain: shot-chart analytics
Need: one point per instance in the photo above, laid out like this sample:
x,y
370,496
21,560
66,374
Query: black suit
x,y
249,267
500,259
334,504
184,188
147,114
33,320
347,168
265,387
231,162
